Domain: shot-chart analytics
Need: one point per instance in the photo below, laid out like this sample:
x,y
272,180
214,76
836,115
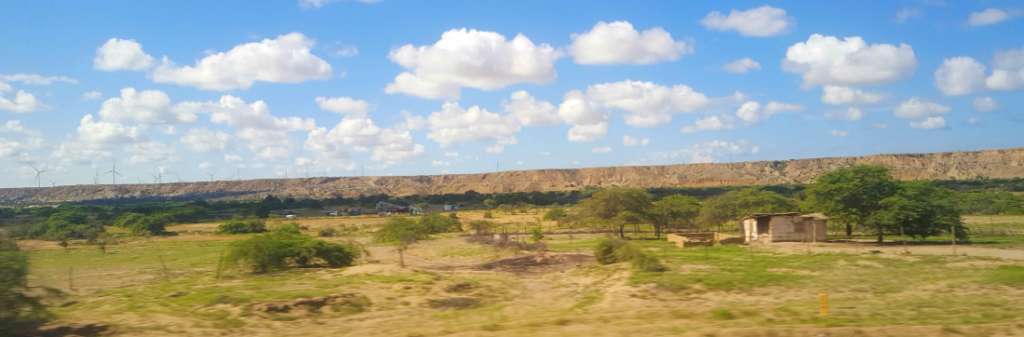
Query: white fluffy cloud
x,y
588,119
619,43
148,107
990,16
285,59
753,112
635,141
601,149
151,152
839,95
710,123
119,54
529,111
36,79
1007,70
764,21
453,124
742,66
205,140
358,133
22,102
923,114
839,133
94,131
343,105
647,104
828,60
959,76
471,58
266,134
985,104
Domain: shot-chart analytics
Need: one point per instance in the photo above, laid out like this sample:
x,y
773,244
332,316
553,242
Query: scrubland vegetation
x,y
577,263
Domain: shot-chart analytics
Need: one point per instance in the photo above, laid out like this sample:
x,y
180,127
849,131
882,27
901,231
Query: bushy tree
x,y
920,209
139,224
437,223
608,251
852,195
242,226
673,210
65,223
617,206
401,232
280,249
481,227
556,213
733,205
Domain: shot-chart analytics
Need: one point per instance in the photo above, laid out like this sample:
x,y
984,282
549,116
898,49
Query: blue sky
x,y
186,90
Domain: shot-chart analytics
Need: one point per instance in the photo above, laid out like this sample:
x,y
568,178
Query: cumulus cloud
x,y
285,59
764,21
710,123
1007,71
923,114
959,76
839,95
619,43
359,133
742,66
588,119
601,149
205,140
92,130
149,107
266,134
120,54
343,105
635,141
990,16
151,152
453,124
529,111
22,102
839,133
470,58
828,60
753,112
985,104
36,79
647,104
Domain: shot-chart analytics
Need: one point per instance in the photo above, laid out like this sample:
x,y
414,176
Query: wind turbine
x,y
158,177
39,173
113,174
96,177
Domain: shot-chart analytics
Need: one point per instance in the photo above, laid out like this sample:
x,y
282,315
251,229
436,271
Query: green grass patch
x,y
1006,275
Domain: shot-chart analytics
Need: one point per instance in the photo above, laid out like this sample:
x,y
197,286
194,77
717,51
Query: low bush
x,y
611,250
437,223
242,226
328,232
397,230
139,224
278,250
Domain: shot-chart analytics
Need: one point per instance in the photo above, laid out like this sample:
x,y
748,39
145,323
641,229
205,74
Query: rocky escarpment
x,y
1006,163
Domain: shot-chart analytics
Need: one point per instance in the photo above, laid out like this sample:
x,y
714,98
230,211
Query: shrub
x,y
140,224
283,249
291,228
242,226
63,224
488,215
328,232
536,234
610,251
437,223
555,214
397,230
481,227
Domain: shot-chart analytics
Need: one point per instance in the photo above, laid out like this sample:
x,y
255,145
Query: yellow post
x,y
823,299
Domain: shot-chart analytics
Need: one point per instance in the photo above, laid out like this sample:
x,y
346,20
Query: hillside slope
x,y
1006,163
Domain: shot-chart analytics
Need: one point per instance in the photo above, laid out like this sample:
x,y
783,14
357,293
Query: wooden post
x,y
952,233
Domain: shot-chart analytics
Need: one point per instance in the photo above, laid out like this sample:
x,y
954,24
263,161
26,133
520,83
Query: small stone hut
x,y
783,227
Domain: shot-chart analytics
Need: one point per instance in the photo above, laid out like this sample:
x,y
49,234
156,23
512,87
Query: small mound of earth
x,y
538,263
342,303
453,303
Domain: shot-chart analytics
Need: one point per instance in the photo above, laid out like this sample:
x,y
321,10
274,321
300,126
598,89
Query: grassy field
x,y
171,287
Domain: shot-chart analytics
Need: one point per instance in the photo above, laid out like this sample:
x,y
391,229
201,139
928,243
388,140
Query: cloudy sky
x,y
189,90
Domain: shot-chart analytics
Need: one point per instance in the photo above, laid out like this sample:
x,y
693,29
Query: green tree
x,y
617,206
280,249
733,205
556,214
920,209
852,195
673,210
490,203
402,232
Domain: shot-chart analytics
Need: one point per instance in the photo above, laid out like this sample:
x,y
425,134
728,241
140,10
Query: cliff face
x,y
1008,163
